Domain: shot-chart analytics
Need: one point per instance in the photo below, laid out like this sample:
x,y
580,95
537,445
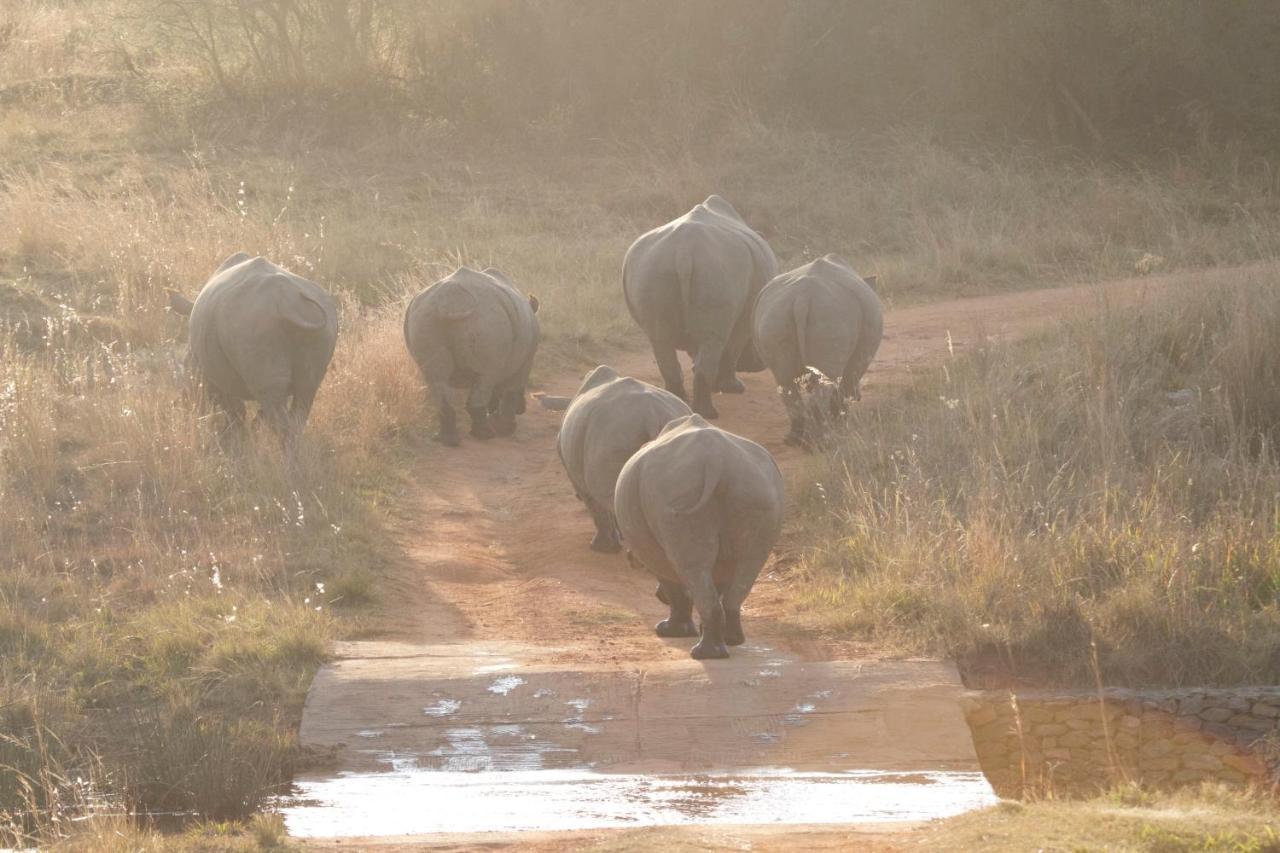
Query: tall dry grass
x,y
128,673
163,605
1115,482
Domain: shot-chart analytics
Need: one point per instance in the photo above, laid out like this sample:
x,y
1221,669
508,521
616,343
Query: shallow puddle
x,y
409,801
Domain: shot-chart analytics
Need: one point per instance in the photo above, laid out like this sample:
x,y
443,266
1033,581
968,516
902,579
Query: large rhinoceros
x,y
821,316
609,419
690,285
260,333
700,508
474,330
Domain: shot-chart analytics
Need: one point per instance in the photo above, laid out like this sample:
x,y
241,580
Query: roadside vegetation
x,y
1106,492
163,606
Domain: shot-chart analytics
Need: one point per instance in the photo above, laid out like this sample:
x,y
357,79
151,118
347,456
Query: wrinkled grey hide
x,y
609,419
701,509
474,330
690,285
261,333
821,316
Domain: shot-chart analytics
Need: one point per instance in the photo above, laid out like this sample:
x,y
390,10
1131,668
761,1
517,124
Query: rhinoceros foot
x,y
709,651
733,385
605,543
449,438
675,628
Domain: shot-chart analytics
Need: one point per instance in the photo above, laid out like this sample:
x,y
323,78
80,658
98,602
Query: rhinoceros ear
x,y
534,303
179,304
237,258
598,376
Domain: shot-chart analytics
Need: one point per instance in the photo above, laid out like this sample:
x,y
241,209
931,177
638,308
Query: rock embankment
x,y
1078,742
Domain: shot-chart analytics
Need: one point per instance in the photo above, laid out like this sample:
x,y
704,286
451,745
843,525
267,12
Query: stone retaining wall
x,y
1075,742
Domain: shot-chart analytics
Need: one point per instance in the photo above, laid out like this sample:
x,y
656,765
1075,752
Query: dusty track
x,y
496,542
495,557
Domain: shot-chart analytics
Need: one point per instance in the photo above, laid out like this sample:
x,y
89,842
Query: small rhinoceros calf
x,y
474,330
690,285
821,316
260,333
701,508
608,420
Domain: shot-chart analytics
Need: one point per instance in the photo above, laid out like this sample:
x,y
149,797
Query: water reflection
x,y
411,801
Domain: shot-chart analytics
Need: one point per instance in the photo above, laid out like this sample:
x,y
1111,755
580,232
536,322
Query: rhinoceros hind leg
x,y
732,385
448,432
680,622
669,365
709,651
733,635
480,427
668,628
606,542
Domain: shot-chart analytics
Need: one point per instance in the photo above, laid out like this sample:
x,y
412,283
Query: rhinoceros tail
x,y
179,304
453,302
684,271
299,309
800,312
711,473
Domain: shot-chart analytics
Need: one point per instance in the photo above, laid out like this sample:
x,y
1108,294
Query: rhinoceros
x,y
824,317
701,508
474,330
260,333
608,420
690,285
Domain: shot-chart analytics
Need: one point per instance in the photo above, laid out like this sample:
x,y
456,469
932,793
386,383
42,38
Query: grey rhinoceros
x,y
690,285
608,420
474,330
821,316
700,508
261,333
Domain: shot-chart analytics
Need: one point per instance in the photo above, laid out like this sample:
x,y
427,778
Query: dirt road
x,y
499,606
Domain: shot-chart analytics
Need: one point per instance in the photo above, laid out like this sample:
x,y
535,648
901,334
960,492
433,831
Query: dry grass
x,y
1114,482
1213,818
123,663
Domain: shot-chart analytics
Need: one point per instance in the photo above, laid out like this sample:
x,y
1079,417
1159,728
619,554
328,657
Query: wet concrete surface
x,y
471,738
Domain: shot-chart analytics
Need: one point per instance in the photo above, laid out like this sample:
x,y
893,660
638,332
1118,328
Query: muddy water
x,y
412,801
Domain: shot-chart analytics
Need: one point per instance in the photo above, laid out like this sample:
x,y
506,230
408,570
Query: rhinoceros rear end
x,y
474,330
261,333
701,508
608,420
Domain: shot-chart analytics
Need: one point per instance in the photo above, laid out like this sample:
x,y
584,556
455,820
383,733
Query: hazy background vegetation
x,y
952,148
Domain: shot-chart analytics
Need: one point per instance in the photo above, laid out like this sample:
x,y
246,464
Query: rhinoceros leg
x,y
274,412
791,400
711,613
509,404
606,539
680,622
706,375
664,352
728,382
231,436
447,418
478,408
